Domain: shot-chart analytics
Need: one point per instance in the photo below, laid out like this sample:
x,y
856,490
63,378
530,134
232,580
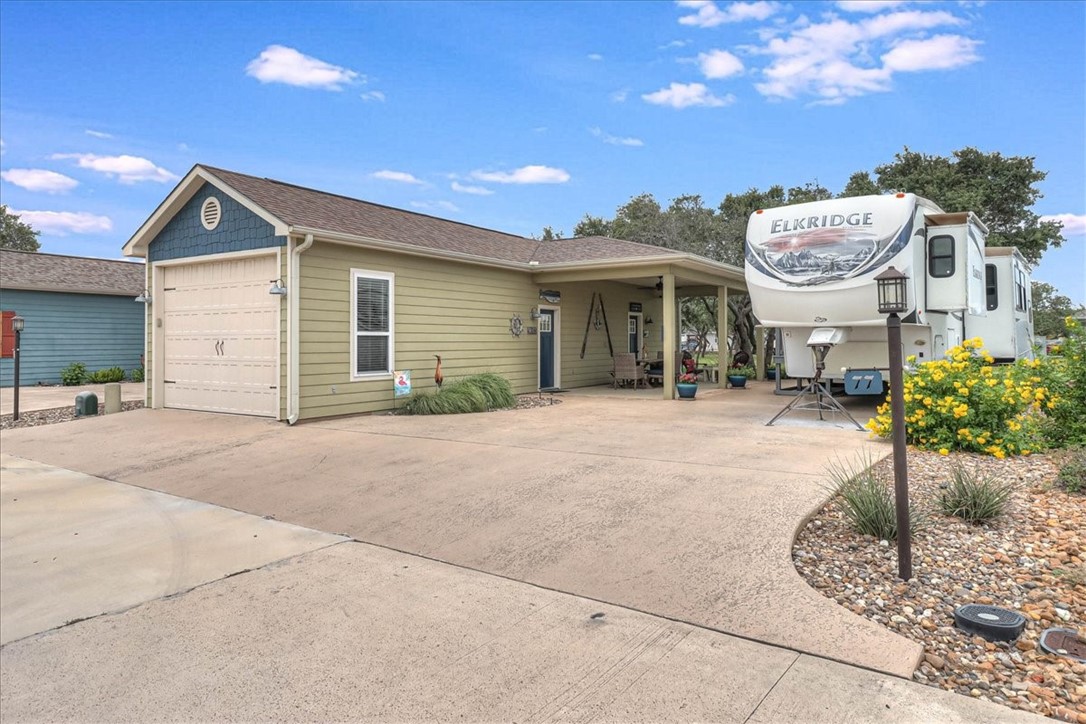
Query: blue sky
x,y
519,115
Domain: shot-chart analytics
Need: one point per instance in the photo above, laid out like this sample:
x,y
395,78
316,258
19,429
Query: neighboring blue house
x,y
76,310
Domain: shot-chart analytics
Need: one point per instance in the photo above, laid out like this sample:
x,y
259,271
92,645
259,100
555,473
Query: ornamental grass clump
x,y
967,403
868,499
478,393
975,496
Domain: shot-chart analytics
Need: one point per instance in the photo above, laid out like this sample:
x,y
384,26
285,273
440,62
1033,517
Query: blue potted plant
x,y
687,385
737,376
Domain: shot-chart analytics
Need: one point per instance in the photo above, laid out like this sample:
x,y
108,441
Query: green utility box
x,y
86,403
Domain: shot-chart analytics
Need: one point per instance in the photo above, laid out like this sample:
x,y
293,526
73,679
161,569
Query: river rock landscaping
x,y
1031,560
34,418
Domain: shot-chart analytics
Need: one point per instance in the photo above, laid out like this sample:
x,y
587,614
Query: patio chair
x,y
656,374
627,370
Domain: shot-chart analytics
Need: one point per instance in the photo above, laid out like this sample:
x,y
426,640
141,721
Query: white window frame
x,y
356,274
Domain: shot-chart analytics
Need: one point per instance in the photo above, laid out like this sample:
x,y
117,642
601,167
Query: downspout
x,y
294,344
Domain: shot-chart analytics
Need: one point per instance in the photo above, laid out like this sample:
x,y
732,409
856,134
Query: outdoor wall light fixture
x,y
648,320
278,288
534,314
893,300
144,297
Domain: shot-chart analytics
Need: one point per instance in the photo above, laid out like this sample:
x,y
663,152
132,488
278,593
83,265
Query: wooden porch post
x,y
670,336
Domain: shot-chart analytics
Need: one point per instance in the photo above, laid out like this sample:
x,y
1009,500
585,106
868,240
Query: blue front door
x,y
546,348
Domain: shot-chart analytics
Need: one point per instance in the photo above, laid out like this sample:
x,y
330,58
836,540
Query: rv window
x,y
991,290
941,256
1019,289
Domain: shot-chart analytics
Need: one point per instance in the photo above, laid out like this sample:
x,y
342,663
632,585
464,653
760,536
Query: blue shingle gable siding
x,y
239,230
96,329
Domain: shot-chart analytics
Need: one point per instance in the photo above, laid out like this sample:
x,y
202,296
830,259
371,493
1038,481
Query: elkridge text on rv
x,y
820,222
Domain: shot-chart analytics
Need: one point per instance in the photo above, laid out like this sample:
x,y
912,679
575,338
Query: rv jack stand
x,y
823,400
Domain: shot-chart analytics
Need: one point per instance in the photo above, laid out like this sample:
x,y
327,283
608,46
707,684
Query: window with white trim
x,y
372,309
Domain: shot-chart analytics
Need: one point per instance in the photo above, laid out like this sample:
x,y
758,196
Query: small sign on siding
x,y
402,383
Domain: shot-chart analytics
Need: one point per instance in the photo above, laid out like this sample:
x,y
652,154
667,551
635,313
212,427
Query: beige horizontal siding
x,y
459,311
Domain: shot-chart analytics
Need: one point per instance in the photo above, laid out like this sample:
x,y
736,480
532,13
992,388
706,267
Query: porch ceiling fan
x,y
659,287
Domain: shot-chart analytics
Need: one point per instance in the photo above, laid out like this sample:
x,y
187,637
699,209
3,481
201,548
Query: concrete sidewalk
x,y
47,398
354,632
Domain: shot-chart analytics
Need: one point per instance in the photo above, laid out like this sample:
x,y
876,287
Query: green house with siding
x,y
274,300
75,309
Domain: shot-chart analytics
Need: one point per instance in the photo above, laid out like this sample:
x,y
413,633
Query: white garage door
x,y
221,332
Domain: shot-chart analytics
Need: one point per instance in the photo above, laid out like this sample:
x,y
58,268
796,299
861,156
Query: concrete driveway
x,y
683,510
355,632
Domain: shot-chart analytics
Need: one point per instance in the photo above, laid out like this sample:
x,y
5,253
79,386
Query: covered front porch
x,y
641,314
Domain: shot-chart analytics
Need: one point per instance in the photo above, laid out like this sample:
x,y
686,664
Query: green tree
x,y
15,234
592,226
999,189
550,234
860,184
1051,310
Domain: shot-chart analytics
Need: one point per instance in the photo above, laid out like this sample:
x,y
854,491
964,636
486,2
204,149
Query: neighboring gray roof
x,y
298,206
56,273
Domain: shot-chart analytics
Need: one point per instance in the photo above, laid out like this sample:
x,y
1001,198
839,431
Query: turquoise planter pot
x,y
737,381
686,391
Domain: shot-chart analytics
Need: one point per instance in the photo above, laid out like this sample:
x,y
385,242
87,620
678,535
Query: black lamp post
x,y
17,324
893,300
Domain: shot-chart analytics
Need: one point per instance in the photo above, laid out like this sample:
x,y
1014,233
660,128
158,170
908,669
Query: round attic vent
x,y
211,213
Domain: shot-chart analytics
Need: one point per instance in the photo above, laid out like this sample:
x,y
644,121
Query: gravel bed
x,y
33,418
1032,560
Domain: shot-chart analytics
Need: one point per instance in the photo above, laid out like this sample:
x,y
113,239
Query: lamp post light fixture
x,y
17,326
893,300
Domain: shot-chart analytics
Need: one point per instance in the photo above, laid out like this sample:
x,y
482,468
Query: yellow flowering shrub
x,y
1065,371
966,402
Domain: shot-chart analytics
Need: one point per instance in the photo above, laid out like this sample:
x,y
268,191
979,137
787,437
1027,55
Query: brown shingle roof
x,y
596,248
304,207
56,273
298,206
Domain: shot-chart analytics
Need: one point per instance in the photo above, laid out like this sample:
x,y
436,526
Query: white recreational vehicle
x,y
810,270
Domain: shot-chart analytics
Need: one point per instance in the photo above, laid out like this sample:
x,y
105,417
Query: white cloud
x,y
98,134
447,206
36,179
595,56
524,175
620,96
374,95
673,44
63,223
719,64
127,169
708,15
685,95
615,140
836,59
476,190
868,6
939,53
398,176
1073,224
280,64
